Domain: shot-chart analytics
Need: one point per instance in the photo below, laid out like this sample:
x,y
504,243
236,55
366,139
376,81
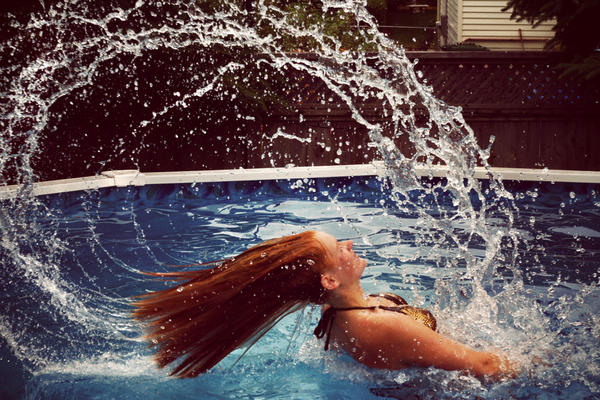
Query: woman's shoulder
x,y
368,322
382,325
372,336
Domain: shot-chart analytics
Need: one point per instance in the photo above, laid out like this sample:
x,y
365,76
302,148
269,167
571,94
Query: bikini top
x,y
420,314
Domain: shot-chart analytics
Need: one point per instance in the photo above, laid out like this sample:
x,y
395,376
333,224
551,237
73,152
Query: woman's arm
x,y
391,340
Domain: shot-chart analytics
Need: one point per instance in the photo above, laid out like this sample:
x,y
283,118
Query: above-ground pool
x,y
91,86
66,330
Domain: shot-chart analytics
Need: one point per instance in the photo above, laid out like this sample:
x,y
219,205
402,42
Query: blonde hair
x,y
215,311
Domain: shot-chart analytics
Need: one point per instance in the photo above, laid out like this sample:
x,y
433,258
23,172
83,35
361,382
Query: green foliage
x,y
307,17
576,32
464,47
212,6
588,68
258,92
378,8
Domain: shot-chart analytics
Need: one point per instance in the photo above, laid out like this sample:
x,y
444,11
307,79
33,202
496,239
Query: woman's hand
x,y
500,367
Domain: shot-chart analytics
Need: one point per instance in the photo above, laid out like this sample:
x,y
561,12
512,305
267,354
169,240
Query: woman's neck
x,y
347,297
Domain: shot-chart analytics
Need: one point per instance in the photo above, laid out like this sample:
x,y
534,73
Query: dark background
x,y
538,119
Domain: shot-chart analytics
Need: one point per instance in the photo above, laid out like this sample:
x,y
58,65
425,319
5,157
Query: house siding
x,y
484,23
454,20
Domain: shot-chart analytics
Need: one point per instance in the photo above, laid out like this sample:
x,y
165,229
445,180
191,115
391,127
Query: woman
x,y
215,311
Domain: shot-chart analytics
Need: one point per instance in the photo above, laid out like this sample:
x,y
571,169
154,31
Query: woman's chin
x,y
363,265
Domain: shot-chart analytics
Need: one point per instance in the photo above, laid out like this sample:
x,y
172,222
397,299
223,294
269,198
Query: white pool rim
x,y
122,178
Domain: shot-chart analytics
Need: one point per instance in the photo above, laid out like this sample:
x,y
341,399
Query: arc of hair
x,y
181,275
295,332
266,329
197,264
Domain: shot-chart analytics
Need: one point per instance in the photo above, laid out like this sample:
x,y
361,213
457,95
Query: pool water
x,y
65,326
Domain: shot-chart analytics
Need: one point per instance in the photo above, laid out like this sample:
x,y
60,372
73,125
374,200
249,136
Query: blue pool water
x,y
65,326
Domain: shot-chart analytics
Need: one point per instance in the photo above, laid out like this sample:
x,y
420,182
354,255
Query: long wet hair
x,y
215,311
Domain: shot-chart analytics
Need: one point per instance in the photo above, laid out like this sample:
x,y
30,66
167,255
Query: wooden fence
x,y
537,118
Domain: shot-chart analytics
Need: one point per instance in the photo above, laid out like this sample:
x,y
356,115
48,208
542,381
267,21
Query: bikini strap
x,y
326,322
394,298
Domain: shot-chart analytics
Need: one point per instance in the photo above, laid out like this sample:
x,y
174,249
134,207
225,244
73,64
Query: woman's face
x,y
348,266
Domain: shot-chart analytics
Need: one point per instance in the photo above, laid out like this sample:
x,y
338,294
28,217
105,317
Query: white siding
x,y
484,23
454,20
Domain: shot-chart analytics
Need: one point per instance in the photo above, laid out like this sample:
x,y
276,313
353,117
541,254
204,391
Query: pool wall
x,y
121,178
